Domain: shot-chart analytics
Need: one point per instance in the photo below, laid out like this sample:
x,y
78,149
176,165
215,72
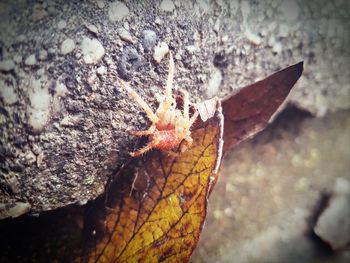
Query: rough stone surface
x,y
76,159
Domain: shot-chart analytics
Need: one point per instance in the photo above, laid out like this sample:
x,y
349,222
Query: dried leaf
x,y
162,217
249,111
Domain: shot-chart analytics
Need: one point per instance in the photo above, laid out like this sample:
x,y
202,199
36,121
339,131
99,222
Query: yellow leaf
x,y
161,219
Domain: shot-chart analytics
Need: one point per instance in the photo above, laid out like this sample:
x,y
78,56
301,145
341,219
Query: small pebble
x,y
60,90
101,70
39,159
42,55
21,38
61,24
51,51
38,14
224,38
18,59
125,35
92,28
100,4
191,49
67,46
290,9
40,72
160,51
117,11
30,157
78,55
253,38
277,48
158,21
8,91
7,65
178,56
271,42
30,61
39,110
167,6
92,50
149,39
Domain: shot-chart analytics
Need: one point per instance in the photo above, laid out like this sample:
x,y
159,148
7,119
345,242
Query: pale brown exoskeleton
x,y
170,127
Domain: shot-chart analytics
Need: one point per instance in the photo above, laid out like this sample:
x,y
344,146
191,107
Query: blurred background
x,y
273,189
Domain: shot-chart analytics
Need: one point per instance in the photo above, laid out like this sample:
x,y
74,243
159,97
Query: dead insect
x,y
170,127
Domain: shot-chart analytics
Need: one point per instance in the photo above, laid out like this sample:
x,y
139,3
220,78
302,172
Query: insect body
x,y
170,127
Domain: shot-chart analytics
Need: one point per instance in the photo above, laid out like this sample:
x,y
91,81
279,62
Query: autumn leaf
x,y
158,215
249,111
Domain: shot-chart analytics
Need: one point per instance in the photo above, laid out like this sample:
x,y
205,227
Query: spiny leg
x,y
186,112
151,116
169,84
143,150
193,118
186,101
144,132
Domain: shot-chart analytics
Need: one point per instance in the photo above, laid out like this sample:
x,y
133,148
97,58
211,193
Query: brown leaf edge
x,y
249,110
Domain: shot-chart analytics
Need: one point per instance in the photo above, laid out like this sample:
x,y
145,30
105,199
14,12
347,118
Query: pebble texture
x,y
62,144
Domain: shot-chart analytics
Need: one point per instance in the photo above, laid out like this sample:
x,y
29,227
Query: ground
x,y
266,202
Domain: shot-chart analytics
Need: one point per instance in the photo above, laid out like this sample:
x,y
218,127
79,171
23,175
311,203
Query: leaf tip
x,y
300,67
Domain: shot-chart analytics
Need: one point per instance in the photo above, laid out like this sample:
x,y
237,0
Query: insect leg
x,y
143,133
193,118
152,116
143,150
186,100
169,84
